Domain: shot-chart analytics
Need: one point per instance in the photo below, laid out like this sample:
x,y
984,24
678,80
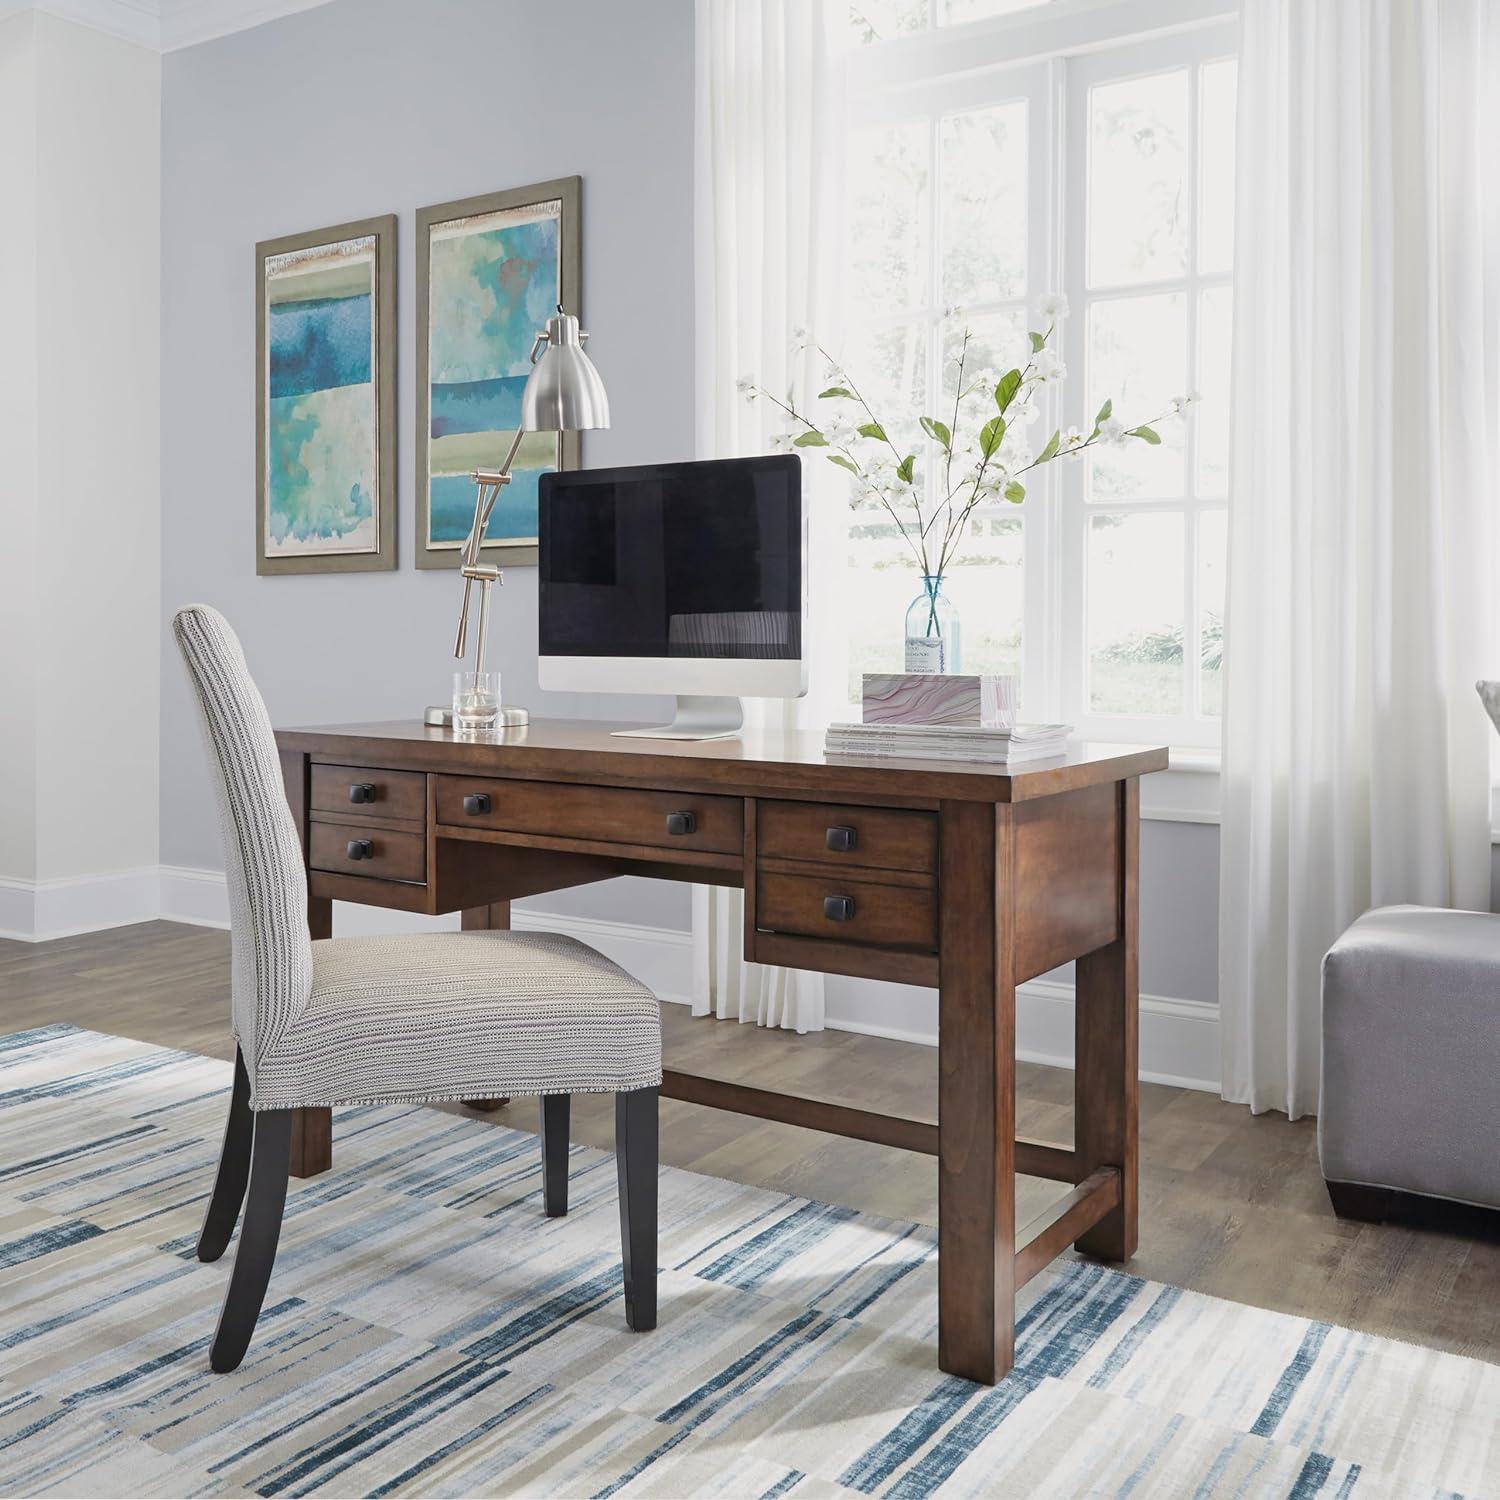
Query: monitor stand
x,y
697,718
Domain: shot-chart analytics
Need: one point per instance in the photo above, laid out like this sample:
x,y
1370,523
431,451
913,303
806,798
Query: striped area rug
x,y
428,1331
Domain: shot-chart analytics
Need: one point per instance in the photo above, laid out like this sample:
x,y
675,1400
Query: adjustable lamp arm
x,y
563,394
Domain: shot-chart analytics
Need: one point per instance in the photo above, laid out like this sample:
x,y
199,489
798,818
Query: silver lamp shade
x,y
563,392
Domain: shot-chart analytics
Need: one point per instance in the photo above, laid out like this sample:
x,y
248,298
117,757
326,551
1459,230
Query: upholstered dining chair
x,y
409,1020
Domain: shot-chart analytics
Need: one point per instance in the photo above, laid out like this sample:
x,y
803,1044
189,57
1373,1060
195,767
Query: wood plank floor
x,y
1231,1204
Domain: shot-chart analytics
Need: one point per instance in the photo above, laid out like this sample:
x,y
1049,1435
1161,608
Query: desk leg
x,y
976,1103
312,1129
1106,1085
492,918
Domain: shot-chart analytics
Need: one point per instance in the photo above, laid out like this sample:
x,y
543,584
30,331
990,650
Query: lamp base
x,y
509,718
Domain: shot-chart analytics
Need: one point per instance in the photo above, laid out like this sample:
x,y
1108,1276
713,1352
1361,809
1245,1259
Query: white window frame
x,y
1051,56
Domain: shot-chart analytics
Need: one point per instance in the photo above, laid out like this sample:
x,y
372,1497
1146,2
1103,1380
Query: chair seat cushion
x,y
461,1015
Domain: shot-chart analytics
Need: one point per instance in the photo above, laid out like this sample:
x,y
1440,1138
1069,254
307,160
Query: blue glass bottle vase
x,y
933,631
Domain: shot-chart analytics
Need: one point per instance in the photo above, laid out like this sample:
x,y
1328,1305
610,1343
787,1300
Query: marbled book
x,y
987,701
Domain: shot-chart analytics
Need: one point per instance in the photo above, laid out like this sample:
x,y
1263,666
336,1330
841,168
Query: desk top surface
x,y
579,750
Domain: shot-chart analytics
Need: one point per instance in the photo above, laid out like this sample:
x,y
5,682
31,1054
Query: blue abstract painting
x,y
492,282
321,450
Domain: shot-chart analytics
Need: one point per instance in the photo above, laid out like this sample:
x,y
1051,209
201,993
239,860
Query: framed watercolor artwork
x,y
490,271
325,412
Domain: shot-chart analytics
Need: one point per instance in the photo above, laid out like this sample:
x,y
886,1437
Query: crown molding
x,y
186,23
164,25
130,20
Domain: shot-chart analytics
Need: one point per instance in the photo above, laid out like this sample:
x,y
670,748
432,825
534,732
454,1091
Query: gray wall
x,y
366,107
1180,910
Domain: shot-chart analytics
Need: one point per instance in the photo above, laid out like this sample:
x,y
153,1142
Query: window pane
x,y
956,12
984,205
879,20
1137,167
881,581
888,368
1215,312
986,588
1212,553
997,341
1216,91
889,182
1137,354
1135,614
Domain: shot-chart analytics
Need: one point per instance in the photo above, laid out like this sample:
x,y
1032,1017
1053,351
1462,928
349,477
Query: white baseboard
x,y
1179,1038
36,911
197,897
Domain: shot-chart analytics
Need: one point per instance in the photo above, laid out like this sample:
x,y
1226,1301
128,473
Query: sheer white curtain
x,y
1364,475
767,188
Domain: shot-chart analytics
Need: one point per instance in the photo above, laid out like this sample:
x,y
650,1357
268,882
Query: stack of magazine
x,y
969,742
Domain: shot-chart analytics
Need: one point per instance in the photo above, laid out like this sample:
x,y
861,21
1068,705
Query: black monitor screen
x,y
691,559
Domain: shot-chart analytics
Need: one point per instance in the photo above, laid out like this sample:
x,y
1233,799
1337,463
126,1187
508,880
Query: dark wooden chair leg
x,y
636,1162
1356,1200
270,1158
234,1169
555,1117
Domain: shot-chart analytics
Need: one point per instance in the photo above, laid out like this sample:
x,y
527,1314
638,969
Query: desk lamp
x,y
563,394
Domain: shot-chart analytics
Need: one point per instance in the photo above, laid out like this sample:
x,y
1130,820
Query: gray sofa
x,y
1411,1060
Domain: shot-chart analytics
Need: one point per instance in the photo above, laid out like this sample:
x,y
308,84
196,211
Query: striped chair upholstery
x,y
411,1019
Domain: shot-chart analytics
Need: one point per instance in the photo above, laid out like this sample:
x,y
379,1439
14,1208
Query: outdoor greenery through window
x,y
1107,176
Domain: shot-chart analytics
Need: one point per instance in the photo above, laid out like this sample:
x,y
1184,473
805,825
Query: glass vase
x,y
933,632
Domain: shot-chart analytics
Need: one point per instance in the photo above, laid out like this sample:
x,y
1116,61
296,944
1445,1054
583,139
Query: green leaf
x,y
810,439
1015,492
1038,342
835,390
1103,416
990,435
842,462
1050,451
1146,434
1005,391
906,468
937,430
873,430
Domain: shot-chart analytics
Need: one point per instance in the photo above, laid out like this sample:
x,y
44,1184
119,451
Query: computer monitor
x,y
685,578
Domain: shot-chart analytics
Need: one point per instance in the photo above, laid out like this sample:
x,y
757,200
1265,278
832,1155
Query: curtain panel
x,y
767,191
1364,476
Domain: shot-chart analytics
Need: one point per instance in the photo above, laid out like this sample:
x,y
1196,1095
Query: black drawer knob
x,y
842,839
682,822
477,803
838,908
360,849
362,791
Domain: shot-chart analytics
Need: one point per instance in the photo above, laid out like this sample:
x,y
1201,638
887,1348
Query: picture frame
x,y
325,400
490,270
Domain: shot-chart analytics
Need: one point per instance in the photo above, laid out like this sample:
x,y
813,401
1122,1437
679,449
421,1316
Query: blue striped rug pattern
x,y
429,1332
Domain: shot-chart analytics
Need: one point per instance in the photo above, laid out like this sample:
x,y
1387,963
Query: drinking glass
x,y
476,700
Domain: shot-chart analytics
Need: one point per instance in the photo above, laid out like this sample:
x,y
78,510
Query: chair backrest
x,y
271,951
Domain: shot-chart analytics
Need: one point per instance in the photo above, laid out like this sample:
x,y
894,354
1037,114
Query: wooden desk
x,y
968,878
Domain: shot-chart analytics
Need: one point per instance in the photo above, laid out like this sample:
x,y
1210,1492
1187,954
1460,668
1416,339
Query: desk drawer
x,y
367,849
614,815
880,837
369,794
852,911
